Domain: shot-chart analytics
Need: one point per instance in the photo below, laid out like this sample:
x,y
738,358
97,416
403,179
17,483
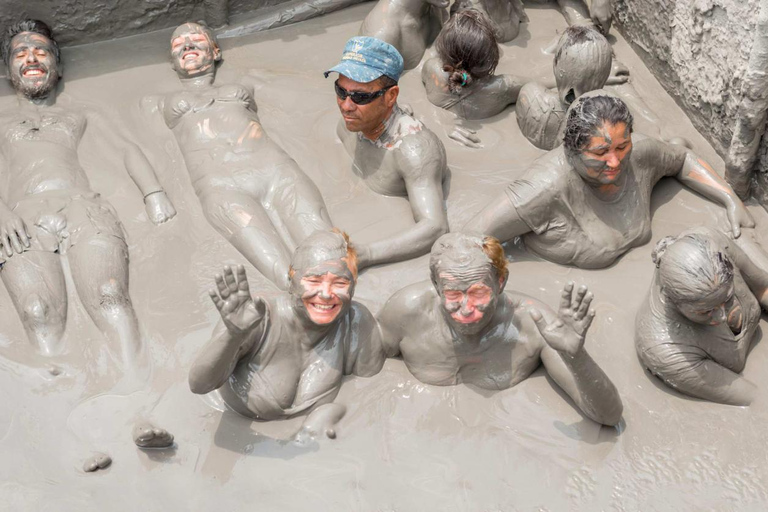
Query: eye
x,y
453,295
599,152
623,146
41,53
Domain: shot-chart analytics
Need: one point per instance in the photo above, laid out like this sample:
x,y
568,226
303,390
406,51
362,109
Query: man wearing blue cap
x,y
393,152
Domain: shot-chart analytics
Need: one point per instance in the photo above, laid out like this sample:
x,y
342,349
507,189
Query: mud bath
x,y
402,445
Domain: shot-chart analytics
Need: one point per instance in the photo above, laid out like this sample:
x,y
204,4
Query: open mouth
x,y
33,72
190,54
323,308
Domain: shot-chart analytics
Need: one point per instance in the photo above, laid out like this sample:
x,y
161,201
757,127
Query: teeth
x,y
324,307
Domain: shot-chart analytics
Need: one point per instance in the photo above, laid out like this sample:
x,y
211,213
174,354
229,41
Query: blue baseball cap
x,y
366,58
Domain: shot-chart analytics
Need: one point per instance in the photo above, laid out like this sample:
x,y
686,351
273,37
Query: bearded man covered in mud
x,y
393,152
276,358
49,207
463,327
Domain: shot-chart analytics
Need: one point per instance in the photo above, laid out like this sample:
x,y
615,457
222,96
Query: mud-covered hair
x,y
350,258
28,25
579,34
590,113
467,48
690,268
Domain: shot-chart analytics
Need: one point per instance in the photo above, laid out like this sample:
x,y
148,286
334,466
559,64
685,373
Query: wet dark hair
x,y
691,268
385,81
578,34
35,26
467,48
587,114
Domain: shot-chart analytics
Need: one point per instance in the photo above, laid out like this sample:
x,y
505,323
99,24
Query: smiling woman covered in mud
x,y
246,183
589,201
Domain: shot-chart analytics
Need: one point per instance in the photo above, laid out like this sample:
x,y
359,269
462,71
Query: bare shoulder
x,y
412,301
420,153
522,305
359,313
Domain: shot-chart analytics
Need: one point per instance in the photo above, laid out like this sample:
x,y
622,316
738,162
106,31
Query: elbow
x,y
434,229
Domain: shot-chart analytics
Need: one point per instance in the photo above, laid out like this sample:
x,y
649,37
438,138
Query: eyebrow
x,y
601,146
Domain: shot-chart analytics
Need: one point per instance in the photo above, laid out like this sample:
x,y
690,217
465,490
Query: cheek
x,y
451,305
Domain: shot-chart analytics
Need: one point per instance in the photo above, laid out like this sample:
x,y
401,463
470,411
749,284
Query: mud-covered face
x,y
365,118
323,292
469,299
710,310
32,65
192,51
606,154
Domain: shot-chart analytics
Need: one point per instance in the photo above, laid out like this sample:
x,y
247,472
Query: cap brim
x,y
355,71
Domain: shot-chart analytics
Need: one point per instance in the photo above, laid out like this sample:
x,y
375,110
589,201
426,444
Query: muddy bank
x,y
402,445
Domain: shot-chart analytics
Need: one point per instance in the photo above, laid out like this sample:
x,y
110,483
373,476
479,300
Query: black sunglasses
x,y
357,97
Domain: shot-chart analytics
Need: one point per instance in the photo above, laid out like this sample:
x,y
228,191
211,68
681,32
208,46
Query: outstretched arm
x,y
568,362
14,238
241,316
697,175
422,162
158,206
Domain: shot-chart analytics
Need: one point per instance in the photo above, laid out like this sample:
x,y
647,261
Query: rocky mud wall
x,y
699,51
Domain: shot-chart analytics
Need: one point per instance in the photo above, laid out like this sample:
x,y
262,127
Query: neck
x,y
198,82
374,134
37,102
313,333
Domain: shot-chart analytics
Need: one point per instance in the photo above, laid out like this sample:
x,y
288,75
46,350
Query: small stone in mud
x,y
96,462
54,370
146,435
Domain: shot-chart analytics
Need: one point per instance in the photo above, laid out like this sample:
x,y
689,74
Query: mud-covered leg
x,y
35,282
299,205
99,267
244,222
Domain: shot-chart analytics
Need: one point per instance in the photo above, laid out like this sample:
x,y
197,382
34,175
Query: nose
x,y
348,104
31,57
325,291
613,160
467,307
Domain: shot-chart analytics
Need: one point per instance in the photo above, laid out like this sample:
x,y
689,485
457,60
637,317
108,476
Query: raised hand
x,y
738,217
567,332
13,233
232,298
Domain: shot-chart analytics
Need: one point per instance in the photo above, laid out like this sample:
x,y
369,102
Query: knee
x,y
36,310
112,294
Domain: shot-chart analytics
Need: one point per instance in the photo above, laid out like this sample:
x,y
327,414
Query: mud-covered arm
x,y
14,238
421,161
752,262
159,208
568,362
242,323
365,354
696,174
394,316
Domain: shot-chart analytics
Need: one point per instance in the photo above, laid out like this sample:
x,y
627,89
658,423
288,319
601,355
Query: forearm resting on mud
x,y
217,360
710,381
700,177
141,170
499,219
586,383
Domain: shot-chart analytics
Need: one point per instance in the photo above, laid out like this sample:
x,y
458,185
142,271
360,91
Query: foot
x,y
97,462
145,435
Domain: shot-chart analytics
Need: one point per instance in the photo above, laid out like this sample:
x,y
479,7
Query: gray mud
x,y
402,445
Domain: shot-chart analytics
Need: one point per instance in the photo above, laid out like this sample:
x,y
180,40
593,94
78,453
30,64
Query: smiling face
x,y
325,291
469,299
193,51
601,161
710,310
32,65
368,118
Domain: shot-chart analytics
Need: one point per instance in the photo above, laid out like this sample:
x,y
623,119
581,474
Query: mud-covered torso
x,y
282,376
218,131
570,225
380,163
665,340
40,150
504,355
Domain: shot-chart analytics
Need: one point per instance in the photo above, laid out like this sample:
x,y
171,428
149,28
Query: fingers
x,y
588,320
16,241
6,241
583,307
538,319
466,138
565,298
215,298
242,280
578,298
221,286
229,279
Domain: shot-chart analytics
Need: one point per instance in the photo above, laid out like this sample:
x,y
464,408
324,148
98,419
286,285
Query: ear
x,y
216,53
391,95
503,283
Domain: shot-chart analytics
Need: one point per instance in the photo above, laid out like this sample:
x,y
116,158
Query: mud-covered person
x,y
393,152
504,16
408,25
48,207
588,201
276,358
463,327
461,78
702,314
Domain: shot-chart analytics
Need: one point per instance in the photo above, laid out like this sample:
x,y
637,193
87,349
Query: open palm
x,y
232,298
567,332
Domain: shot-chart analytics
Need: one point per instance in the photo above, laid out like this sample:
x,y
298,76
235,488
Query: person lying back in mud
x,y
392,151
244,180
48,207
702,314
276,358
588,202
463,327
408,25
